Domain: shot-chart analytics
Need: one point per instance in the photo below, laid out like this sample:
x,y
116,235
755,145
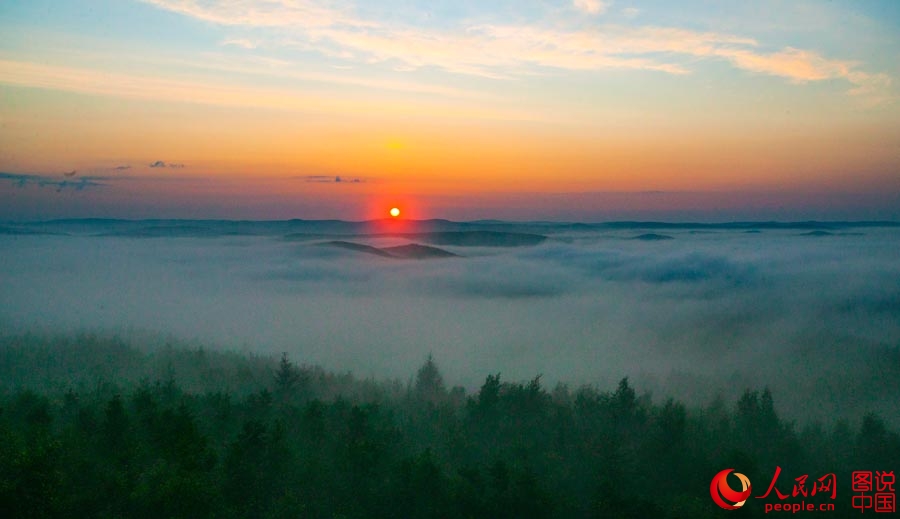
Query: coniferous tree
x,y
429,382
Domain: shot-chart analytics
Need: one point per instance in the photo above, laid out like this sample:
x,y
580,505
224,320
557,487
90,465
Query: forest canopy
x,y
97,426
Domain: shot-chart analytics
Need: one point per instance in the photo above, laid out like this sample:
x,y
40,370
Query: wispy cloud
x,y
265,13
791,63
331,179
511,51
129,85
241,42
590,6
54,181
163,164
874,88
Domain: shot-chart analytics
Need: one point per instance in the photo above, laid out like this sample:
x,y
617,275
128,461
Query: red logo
x,y
884,499
722,493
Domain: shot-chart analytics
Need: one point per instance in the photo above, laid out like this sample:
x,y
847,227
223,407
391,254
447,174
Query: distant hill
x,y
174,231
454,238
478,238
410,251
416,251
820,234
652,237
24,231
357,247
481,233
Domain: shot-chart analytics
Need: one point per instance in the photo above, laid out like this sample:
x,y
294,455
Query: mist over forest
x,y
435,369
690,311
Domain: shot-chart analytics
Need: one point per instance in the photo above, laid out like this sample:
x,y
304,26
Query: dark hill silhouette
x,y
22,231
479,238
175,231
416,251
357,247
410,251
481,233
652,237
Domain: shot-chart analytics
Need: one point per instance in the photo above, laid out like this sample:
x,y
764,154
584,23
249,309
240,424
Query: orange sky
x,y
260,112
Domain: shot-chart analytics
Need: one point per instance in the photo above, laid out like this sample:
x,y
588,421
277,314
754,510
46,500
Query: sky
x,y
582,110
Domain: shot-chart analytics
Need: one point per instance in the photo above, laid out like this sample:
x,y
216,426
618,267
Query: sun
x,y
395,212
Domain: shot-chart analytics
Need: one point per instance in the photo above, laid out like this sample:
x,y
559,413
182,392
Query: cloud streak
x,y
510,51
127,85
264,13
331,179
80,184
590,6
163,164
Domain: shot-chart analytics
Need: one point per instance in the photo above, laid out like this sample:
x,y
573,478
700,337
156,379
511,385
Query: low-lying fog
x,y
813,315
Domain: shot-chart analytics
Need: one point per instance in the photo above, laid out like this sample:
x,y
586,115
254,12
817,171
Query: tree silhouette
x,y
429,382
286,378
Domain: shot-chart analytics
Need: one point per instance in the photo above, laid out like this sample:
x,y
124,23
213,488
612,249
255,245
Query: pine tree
x,y
286,378
429,382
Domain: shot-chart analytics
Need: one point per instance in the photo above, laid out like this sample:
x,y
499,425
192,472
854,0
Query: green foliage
x,y
276,440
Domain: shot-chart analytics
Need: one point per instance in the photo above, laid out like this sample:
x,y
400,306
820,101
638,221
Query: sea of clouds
x,y
707,313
